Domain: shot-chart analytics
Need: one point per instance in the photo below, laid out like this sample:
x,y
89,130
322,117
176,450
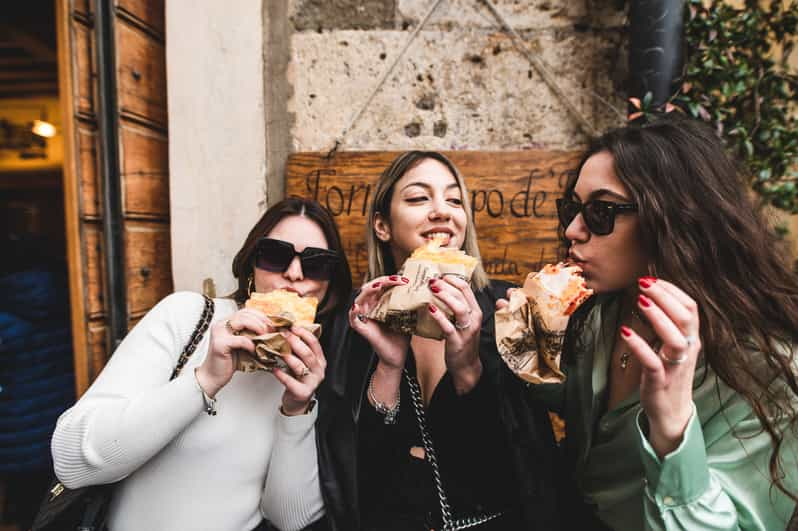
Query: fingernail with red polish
x,y
626,331
393,278
431,281
434,289
644,301
405,280
376,285
650,279
432,308
644,283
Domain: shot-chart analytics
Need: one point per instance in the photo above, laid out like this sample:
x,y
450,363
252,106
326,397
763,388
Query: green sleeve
x,y
680,492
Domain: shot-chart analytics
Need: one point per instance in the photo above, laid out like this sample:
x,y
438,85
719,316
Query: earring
x,y
251,285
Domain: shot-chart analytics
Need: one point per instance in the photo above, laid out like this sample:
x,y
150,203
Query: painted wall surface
x,y
216,135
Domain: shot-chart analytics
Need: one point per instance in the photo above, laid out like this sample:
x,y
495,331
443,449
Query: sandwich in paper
x,y
283,309
404,308
531,329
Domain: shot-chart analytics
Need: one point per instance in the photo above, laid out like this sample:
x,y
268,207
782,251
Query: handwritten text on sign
x,y
512,196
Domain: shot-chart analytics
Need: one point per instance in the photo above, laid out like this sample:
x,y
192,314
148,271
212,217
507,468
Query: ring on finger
x,y
673,361
229,326
690,339
305,372
361,317
462,326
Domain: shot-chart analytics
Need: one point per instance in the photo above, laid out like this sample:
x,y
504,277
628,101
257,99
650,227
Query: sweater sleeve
x,y
291,497
132,410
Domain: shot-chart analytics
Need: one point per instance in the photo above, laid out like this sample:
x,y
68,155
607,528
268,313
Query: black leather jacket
x,y
534,455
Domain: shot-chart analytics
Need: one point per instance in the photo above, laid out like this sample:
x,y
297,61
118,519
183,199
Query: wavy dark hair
x,y
702,232
339,287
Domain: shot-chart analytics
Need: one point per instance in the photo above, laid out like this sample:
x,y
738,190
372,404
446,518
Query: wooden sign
x,y
512,197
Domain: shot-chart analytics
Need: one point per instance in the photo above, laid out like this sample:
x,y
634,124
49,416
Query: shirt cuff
x,y
680,477
296,426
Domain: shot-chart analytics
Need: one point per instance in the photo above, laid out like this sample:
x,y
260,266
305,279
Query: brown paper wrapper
x,y
271,348
527,346
404,308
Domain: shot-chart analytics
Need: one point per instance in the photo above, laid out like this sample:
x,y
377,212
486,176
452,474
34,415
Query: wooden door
x,y
137,144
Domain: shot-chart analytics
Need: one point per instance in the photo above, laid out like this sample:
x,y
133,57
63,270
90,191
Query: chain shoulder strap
x,y
449,523
202,326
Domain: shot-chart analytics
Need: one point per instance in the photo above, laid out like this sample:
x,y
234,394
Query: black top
x,y
494,444
397,490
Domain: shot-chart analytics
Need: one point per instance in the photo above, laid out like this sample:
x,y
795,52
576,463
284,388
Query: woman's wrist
x,y
466,377
665,437
291,408
207,382
384,384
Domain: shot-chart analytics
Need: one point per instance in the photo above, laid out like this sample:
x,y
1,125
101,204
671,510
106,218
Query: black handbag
x,y
86,508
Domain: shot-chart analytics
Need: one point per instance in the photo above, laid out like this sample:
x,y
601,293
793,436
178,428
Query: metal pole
x,y
108,123
655,48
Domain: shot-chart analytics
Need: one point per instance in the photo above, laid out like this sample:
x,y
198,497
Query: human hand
x,y
462,337
220,363
391,347
666,382
307,364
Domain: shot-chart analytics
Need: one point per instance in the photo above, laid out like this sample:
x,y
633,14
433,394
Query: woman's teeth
x,y
442,236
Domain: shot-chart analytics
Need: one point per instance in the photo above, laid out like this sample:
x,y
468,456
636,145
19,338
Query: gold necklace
x,y
626,356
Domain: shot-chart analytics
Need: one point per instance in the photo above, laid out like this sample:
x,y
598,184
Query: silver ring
x,y
671,361
361,317
690,339
462,326
229,326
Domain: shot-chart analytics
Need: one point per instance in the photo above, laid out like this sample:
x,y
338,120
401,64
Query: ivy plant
x,y
735,78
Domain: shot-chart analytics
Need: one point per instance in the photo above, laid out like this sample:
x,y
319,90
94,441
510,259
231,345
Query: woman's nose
x,y
439,210
294,271
577,230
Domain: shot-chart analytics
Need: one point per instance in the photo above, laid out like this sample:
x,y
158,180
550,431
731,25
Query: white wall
x,y
217,153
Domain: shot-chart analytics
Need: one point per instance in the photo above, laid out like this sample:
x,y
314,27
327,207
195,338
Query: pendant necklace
x,y
626,356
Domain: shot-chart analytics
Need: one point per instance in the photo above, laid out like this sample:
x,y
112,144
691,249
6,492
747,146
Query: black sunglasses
x,y
276,255
599,215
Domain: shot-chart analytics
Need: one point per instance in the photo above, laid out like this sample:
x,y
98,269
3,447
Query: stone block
x,y
460,89
521,14
319,15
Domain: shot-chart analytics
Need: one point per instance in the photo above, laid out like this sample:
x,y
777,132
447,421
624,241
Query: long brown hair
x,y
340,285
703,233
379,253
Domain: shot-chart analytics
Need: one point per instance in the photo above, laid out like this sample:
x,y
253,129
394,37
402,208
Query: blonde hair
x,y
379,253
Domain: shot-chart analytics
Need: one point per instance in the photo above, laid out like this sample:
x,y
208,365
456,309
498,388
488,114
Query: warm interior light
x,y
42,128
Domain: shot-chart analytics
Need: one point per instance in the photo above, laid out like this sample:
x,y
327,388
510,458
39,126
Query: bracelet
x,y
210,403
390,412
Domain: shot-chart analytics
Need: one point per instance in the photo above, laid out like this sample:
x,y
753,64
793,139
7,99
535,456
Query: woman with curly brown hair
x,y
681,393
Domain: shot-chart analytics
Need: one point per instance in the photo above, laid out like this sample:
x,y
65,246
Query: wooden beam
x,y
75,260
29,43
28,75
26,88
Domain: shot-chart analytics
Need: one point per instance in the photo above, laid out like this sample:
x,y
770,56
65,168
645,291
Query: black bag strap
x,y
196,336
92,501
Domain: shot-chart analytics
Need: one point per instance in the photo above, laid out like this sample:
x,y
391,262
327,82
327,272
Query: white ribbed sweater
x,y
182,469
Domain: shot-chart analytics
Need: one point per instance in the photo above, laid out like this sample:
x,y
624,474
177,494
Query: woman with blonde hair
x,y
416,433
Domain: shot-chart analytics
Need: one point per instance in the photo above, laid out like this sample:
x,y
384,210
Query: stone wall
x,y
462,84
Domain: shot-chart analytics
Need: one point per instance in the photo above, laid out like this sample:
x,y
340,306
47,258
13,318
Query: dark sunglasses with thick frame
x,y
599,215
276,255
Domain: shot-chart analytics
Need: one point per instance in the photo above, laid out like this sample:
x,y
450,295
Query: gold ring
x,y
229,326
305,372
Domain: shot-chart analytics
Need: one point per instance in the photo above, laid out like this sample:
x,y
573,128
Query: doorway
x,y
37,380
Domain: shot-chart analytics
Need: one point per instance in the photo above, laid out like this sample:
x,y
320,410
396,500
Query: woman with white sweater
x,y
179,468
